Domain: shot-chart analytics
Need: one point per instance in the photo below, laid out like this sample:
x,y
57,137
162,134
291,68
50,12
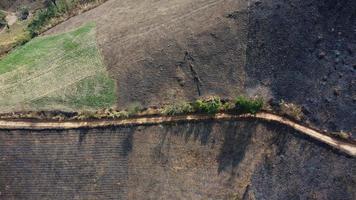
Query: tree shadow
x,y
236,139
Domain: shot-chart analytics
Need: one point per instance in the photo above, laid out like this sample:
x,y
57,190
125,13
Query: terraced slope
x,y
60,72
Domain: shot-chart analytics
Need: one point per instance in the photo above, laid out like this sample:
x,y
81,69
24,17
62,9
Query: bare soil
x,y
206,160
166,51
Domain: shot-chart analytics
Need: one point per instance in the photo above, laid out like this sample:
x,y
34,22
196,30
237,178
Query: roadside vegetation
x,y
61,72
291,110
209,105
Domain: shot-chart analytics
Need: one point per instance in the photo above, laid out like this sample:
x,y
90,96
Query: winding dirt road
x,y
345,147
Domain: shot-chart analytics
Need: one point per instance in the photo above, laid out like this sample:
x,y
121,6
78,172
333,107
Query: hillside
x,y
179,99
189,49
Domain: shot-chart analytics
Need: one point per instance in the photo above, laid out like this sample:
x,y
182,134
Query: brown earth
x,y
195,160
147,46
166,51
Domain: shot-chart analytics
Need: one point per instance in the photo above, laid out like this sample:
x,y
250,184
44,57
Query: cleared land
x,y
168,50
63,72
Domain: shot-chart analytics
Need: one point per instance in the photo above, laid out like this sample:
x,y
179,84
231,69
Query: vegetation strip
x,y
345,147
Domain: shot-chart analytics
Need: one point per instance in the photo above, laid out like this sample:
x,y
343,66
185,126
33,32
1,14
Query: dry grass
x,y
291,110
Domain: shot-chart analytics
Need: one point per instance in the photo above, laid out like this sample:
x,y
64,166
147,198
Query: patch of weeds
x,y
342,135
210,105
134,108
41,18
291,110
228,106
177,109
3,21
246,105
23,13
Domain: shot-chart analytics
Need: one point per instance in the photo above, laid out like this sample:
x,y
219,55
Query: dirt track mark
x,y
345,147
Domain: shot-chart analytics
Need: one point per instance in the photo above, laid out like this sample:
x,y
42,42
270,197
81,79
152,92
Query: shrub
x,y
23,13
211,105
228,106
40,20
291,109
342,134
134,108
49,3
245,105
3,21
176,109
117,114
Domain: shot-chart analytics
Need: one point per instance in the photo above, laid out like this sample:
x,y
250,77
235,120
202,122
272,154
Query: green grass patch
x,y
178,109
62,72
210,106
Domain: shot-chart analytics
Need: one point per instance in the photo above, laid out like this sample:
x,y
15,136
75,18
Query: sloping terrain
x,y
164,51
61,72
202,160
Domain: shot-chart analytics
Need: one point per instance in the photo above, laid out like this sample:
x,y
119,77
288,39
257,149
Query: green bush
x,y
176,109
3,21
134,108
23,13
246,105
41,19
210,106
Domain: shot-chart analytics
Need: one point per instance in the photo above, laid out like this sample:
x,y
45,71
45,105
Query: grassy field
x,y
61,72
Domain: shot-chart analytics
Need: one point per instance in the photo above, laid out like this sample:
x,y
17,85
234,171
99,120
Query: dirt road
x,y
155,120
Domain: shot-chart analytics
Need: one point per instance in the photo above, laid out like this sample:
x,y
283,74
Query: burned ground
x,y
168,51
205,160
